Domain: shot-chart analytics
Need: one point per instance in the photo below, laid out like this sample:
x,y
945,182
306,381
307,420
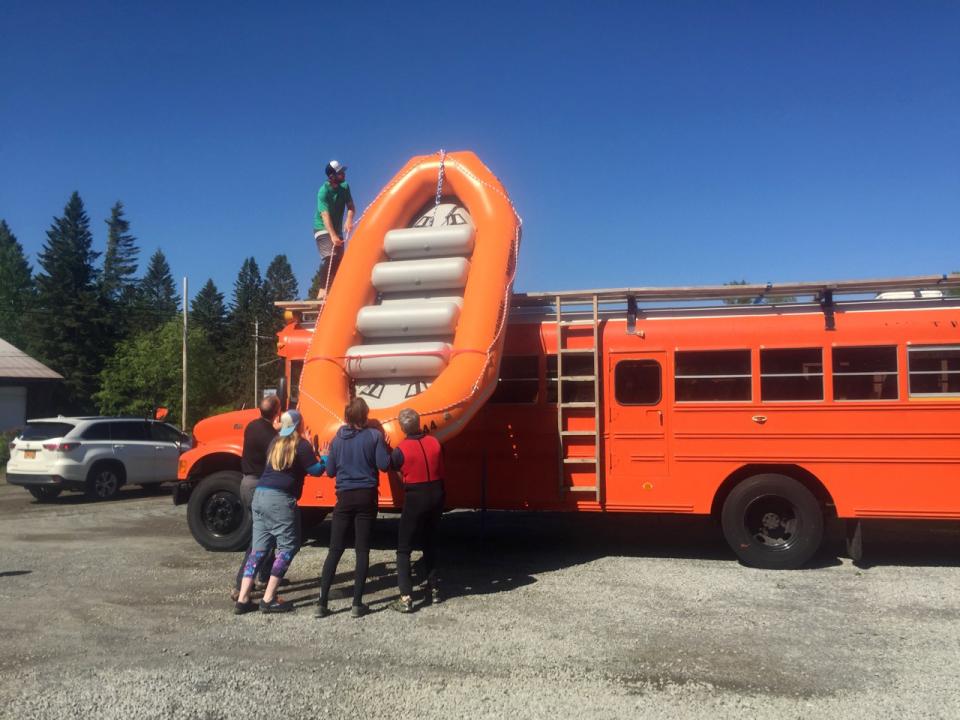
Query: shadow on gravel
x,y
126,493
14,573
492,552
915,544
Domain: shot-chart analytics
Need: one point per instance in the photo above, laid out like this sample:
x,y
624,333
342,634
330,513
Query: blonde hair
x,y
284,450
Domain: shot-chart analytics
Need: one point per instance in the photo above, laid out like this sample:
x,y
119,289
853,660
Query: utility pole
x,y
256,361
183,411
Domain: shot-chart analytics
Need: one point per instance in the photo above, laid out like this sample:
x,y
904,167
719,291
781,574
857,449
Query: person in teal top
x,y
329,227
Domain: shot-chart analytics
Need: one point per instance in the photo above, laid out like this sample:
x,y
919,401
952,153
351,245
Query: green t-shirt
x,y
334,201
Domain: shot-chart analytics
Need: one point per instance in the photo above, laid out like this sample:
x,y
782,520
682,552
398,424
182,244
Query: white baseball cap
x,y
334,166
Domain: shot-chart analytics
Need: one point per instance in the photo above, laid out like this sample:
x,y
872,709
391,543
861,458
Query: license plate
x,y
29,454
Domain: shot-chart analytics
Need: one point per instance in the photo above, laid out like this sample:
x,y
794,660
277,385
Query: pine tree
x,y
279,284
118,283
73,325
156,293
248,306
120,259
16,290
208,312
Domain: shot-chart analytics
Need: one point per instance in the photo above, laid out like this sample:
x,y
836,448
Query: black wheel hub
x,y
222,513
773,522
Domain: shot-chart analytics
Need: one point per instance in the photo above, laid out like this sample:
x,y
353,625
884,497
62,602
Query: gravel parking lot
x,y
111,610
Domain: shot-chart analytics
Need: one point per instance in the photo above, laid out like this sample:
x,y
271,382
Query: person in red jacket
x,y
419,458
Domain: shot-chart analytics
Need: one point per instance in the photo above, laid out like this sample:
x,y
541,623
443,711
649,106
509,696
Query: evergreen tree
x,y
248,306
208,312
16,290
120,260
156,293
279,284
118,283
315,285
73,324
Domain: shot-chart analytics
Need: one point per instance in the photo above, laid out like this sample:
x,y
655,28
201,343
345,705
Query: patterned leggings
x,y
280,565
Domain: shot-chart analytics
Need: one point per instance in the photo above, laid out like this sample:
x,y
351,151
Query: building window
x,y
637,382
519,380
865,373
934,371
791,374
712,376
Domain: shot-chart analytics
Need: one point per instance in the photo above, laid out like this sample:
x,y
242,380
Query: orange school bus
x,y
772,415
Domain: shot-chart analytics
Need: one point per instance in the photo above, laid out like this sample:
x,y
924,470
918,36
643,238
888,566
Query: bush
x,y
5,439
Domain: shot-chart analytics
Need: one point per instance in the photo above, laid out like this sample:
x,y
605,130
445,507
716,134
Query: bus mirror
x,y
282,393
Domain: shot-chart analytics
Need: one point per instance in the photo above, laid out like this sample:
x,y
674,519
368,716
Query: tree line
x,y
115,334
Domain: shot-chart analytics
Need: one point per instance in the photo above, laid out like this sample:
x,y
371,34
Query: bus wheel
x,y
216,514
772,521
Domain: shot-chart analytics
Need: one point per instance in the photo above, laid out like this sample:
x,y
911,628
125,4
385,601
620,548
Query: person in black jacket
x,y
257,437
419,458
356,454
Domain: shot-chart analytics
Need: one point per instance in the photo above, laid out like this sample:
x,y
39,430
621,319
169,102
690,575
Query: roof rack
x,y
817,290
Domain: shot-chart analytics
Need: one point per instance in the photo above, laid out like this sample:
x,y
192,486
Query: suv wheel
x,y
45,494
216,514
103,482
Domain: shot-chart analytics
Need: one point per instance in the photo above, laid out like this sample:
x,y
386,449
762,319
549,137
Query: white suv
x,y
96,455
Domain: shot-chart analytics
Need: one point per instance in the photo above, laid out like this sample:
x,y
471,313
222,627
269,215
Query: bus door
x,y
636,430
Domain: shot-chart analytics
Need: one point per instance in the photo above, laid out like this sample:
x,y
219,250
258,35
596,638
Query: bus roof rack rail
x,y
754,292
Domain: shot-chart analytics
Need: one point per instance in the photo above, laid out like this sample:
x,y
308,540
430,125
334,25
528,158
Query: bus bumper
x,y
181,492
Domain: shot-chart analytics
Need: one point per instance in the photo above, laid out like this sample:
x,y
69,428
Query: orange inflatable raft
x,y
416,315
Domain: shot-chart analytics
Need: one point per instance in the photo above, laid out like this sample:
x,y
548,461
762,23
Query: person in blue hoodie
x,y
356,454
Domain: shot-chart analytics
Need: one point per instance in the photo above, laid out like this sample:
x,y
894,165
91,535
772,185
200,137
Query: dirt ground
x,y
111,610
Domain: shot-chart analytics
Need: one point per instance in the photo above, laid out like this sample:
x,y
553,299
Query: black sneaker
x,y
358,611
276,606
321,612
402,605
243,608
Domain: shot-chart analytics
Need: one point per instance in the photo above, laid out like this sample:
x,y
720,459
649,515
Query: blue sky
x,y
643,143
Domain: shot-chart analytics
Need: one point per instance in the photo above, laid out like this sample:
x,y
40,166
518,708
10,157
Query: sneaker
x,y
359,610
277,605
402,605
241,608
321,612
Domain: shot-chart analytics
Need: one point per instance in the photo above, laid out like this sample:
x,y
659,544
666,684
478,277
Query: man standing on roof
x,y
329,228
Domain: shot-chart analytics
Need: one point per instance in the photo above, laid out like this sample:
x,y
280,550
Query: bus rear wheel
x,y
772,521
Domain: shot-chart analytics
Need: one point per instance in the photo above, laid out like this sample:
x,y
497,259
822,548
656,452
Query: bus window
x,y
637,382
934,371
791,374
865,373
712,376
573,391
519,380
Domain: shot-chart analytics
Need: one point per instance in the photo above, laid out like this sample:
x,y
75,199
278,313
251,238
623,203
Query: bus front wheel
x,y
772,521
217,517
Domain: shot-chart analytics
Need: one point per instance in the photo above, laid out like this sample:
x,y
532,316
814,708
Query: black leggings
x,y
357,508
422,509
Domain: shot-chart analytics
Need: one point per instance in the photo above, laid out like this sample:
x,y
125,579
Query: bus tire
x,y
217,517
772,521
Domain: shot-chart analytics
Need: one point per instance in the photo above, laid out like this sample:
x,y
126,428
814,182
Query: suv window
x,y
45,430
161,432
129,430
97,431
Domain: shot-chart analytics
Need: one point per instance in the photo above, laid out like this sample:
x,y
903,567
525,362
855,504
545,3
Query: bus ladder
x,y
567,320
